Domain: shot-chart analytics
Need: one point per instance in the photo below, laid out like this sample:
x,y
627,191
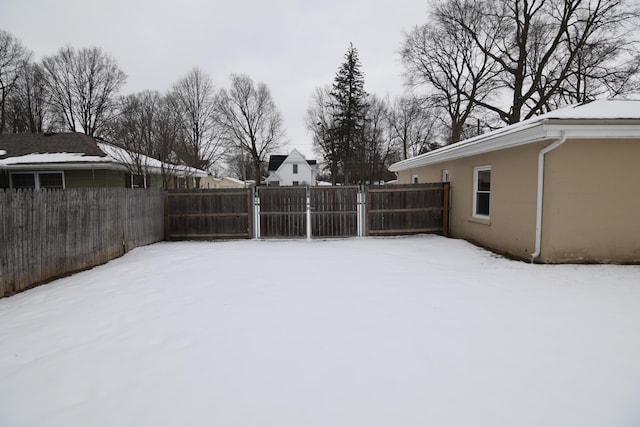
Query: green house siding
x,y
93,178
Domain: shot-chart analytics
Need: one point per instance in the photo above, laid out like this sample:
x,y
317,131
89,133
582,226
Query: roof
x,y
597,119
72,151
29,147
276,160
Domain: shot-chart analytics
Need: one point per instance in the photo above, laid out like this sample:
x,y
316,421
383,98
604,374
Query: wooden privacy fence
x,y
407,209
334,211
209,214
52,233
275,212
282,211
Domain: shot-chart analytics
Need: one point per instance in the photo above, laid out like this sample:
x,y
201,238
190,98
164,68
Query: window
x,y
296,183
50,180
23,180
445,175
295,168
481,191
181,182
139,181
414,179
37,180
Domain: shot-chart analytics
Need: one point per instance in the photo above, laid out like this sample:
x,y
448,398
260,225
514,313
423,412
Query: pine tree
x,y
348,103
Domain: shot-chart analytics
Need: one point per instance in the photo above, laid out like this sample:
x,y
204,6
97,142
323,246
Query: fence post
x,y
256,212
361,210
308,213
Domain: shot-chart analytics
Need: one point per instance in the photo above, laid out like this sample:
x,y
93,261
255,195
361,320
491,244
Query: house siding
x,y
511,225
592,202
591,205
93,178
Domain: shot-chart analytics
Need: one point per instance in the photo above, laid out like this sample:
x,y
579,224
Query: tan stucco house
x,y
561,187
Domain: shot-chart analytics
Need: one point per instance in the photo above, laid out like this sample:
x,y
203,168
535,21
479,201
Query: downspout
x,y
543,152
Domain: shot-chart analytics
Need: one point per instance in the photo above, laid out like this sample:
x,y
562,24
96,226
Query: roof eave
x,y
64,166
547,130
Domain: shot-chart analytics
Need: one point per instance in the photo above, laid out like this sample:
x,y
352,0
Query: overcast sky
x,y
291,45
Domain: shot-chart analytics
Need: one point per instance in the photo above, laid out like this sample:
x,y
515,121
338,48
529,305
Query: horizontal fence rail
x,y
52,233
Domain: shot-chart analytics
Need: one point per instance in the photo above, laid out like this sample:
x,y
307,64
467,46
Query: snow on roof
x,y
53,158
531,130
2,152
146,162
237,181
601,109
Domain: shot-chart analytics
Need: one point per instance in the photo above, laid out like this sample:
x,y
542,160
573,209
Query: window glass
x,y
482,204
482,191
50,180
23,180
484,180
137,181
295,168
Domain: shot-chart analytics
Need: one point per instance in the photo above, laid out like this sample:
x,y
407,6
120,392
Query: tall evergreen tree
x,y
348,103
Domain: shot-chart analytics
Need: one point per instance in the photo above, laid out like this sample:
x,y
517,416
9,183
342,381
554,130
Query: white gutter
x,y
543,152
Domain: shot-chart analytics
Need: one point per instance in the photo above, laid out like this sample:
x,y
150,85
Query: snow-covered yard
x,y
420,331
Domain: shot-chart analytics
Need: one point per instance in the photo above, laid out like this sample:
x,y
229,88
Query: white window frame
x,y
476,170
414,179
295,168
36,178
445,175
132,178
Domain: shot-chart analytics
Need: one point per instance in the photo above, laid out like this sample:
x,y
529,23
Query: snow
x,y
3,152
598,109
358,332
149,163
53,158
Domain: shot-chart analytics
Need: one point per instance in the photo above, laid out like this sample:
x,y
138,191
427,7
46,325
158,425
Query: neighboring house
x,y
71,160
292,169
225,182
561,187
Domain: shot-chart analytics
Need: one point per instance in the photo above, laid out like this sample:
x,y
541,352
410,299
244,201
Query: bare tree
x,y
133,129
147,127
193,99
167,126
538,45
377,146
602,68
451,64
83,86
320,120
14,58
28,107
249,120
413,126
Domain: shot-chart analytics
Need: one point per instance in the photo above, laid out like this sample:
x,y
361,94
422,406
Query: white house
x,y
293,169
